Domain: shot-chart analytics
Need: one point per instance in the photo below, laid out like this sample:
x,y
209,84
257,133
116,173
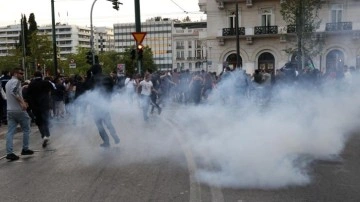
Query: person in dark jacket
x,y
104,85
38,95
3,80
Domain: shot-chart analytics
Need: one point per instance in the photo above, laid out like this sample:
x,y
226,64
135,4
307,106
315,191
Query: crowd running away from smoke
x,y
240,145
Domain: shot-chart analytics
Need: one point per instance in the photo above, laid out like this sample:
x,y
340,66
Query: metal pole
x,y
92,33
137,29
23,44
54,38
237,35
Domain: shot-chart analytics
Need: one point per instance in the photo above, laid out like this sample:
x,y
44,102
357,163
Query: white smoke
x,y
245,145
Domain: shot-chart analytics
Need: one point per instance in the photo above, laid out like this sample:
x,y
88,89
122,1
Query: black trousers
x,y
42,121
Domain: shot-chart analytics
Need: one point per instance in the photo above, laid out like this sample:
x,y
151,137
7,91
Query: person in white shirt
x,y
130,85
146,88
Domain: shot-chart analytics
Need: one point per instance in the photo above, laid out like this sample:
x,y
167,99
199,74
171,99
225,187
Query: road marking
x,y
195,187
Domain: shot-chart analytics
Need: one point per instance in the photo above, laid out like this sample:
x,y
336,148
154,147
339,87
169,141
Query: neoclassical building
x,y
264,35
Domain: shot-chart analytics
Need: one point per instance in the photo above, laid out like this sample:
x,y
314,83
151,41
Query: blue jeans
x,y
103,118
14,118
145,104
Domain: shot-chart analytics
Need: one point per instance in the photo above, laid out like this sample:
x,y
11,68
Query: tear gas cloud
x,y
234,144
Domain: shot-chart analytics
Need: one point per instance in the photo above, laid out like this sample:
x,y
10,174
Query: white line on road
x,y
195,187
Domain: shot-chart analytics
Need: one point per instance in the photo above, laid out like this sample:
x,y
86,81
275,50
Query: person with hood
x,y
39,97
102,84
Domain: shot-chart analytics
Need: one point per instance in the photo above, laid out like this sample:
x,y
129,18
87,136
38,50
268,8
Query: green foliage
x,y
32,24
9,62
131,65
148,63
304,15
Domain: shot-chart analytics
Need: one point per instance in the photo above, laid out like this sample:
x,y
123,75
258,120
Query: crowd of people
x,y
42,98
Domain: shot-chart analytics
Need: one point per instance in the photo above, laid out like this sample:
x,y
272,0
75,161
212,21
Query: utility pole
x,y
92,34
299,32
237,35
116,7
54,38
23,44
138,29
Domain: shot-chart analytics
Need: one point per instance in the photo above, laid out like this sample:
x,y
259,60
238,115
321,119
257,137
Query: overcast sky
x,y
78,11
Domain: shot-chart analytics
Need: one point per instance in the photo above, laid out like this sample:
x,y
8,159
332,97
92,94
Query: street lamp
x,y
116,4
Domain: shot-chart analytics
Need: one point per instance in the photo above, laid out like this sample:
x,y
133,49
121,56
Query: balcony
x,y
292,29
338,26
266,30
232,31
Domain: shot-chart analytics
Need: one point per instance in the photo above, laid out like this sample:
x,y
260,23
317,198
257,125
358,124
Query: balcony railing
x,y
266,30
338,26
292,29
232,31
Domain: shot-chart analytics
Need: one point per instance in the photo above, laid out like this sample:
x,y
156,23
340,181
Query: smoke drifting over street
x,y
235,145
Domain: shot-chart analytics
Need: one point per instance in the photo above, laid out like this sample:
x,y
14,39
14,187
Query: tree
x,y
41,51
32,24
24,35
131,64
186,19
303,14
148,63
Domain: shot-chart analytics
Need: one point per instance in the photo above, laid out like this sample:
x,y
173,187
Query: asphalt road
x,y
152,163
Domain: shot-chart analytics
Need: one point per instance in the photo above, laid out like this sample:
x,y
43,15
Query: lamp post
x,y
137,28
237,35
92,33
116,7
54,38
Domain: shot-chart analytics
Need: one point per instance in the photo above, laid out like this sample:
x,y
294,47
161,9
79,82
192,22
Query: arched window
x,y
266,61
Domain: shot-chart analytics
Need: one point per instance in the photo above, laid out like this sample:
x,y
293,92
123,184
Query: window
x,y
232,19
266,17
181,54
336,13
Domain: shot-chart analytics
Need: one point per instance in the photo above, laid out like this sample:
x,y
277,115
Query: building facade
x,y
68,38
9,38
104,39
264,35
158,38
189,46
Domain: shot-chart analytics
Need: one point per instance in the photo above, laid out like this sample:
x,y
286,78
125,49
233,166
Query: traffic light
x,y
116,4
133,54
89,58
140,50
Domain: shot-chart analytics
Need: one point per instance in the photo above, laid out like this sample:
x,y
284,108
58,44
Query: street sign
x,y
72,65
139,36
